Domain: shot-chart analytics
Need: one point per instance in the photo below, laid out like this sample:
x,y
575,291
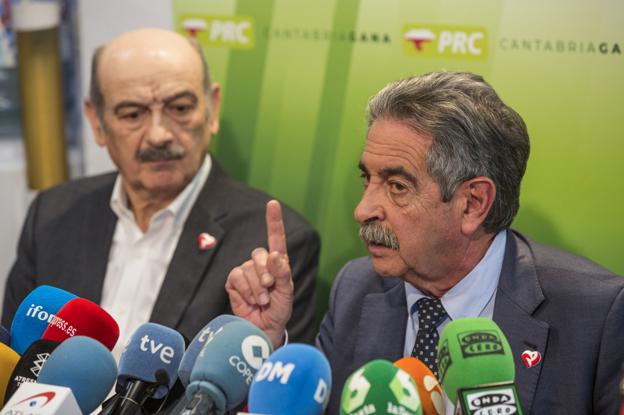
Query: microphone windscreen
x,y
83,365
5,337
81,317
28,366
429,390
472,352
34,313
209,330
229,361
152,348
8,361
294,380
379,387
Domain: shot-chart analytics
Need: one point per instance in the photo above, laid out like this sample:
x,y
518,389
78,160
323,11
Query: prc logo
x,y
419,36
445,41
532,358
444,359
38,401
479,343
230,31
205,241
41,359
255,349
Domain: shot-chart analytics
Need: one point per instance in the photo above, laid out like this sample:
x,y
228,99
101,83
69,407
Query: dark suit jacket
x,y
566,307
68,232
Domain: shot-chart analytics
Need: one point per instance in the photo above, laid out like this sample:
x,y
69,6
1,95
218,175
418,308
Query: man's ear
x,y
479,194
96,124
215,108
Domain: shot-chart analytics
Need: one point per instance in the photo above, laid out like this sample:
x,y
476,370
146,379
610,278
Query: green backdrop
x,y
296,76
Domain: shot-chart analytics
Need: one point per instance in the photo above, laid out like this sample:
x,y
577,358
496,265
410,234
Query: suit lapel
x,y
97,236
381,331
518,296
189,263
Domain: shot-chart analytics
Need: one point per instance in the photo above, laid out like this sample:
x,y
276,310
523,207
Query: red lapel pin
x,y
206,241
531,358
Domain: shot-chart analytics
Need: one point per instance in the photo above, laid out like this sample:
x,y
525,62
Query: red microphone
x,y
80,317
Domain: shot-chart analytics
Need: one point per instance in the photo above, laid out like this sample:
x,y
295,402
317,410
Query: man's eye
x,y
365,178
132,115
180,109
397,187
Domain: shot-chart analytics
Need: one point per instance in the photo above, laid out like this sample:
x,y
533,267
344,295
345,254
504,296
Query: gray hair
x,y
474,134
95,91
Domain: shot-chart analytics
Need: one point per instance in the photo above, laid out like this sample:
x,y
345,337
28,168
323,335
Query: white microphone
x,y
42,399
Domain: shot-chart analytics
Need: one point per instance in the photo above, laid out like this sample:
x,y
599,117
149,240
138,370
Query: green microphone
x,y
476,368
379,387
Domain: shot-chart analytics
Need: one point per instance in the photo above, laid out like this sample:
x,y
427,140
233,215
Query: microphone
x,y
81,317
429,390
476,367
205,334
295,380
28,366
8,361
40,399
34,313
5,337
83,365
379,387
147,367
225,368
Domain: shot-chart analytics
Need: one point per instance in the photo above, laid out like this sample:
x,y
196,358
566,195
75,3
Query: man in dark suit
x,y
442,167
156,241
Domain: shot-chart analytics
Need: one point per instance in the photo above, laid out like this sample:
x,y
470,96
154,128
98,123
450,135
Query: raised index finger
x,y
276,235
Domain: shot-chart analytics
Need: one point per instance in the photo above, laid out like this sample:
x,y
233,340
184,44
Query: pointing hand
x,y
261,289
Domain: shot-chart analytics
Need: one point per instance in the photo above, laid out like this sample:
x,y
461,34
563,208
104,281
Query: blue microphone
x,y
295,380
147,367
190,356
34,313
225,368
83,365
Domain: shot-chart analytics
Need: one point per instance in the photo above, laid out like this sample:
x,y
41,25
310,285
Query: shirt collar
x,y
180,207
470,296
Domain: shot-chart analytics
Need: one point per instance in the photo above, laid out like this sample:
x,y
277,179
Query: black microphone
x,y
29,365
147,369
136,396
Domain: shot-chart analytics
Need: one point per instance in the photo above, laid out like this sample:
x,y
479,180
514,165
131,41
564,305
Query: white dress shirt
x,y
138,262
472,296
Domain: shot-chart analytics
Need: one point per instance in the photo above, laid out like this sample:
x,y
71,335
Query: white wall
x,y
16,198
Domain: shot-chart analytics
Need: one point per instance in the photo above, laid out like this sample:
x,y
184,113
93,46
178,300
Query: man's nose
x,y
158,133
370,207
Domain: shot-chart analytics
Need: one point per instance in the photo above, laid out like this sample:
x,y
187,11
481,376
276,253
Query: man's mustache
x,y
378,234
164,153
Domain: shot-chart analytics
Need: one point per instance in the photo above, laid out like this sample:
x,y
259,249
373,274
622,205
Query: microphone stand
x,y
137,393
200,404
